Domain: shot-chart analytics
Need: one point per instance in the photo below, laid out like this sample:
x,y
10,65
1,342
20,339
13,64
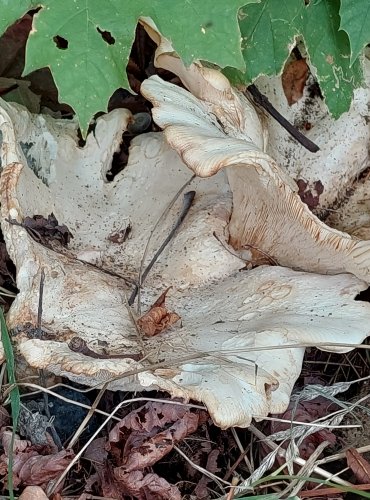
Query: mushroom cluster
x,y
240,342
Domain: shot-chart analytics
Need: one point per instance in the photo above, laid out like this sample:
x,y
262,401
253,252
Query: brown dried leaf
x,y
153,415
310,192
39,470
149,486
143,437
293,79
158,318
201,491
152,449
359,466
45,231
48,229
104,478
19,444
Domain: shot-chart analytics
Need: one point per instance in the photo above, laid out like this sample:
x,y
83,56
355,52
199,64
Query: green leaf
x,y
11,10
355,21
87,68
329,52
14,396
269,31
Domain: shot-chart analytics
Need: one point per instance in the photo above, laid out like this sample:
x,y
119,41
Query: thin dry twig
x,y
244,451
214,478
160,220
188,200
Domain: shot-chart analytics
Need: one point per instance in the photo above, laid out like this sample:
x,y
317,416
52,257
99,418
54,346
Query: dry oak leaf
x,y
293,79
150,486
144,436
158,318
39,470
359,465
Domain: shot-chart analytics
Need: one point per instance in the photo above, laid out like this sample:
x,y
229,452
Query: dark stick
x,y
77,344
188,200
41,296
266,104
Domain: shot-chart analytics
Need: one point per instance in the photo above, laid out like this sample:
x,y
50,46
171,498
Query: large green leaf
x,y
329,52
67,37
11,10
269,31
355,21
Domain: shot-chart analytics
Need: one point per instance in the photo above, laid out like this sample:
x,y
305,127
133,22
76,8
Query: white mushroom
x,y
242,336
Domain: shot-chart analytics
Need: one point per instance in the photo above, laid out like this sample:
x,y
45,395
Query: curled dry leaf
x,y
158,318
243,333
359,466
144,436
294,79
142,487
19,444
42,469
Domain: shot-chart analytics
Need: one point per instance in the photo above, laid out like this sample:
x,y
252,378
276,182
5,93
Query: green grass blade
x,y
14,396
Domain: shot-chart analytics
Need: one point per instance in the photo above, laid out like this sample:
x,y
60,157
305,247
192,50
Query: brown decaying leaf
x,y
142,438
143,487
359,465
44,230
103,479
32,465
158,318
201,491
293,79
19,444
310,193
151,449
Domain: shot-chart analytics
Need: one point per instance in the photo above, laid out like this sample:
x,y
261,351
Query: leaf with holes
x,y
269,31
11,10
87,46
355,21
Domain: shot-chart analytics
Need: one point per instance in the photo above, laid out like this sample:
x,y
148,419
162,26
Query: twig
x,y
77,344
204,471
188,200
266,104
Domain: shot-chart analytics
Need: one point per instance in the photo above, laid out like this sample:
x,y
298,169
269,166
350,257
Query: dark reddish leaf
x,y
310,192
150,486
201,491
359,465
47,229
146,418
152,449
293,79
